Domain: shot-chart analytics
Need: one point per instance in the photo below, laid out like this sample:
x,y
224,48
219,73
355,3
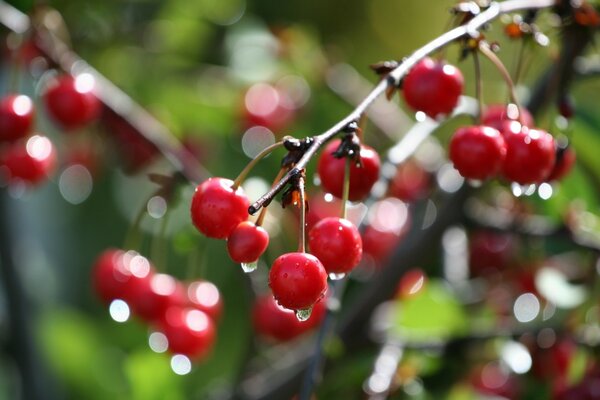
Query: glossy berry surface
x,y
362,178
217,209
247,242
205,296
31,161
298,280
565,160
530,156
274,322
433,87
336,242
501,117
155,296
116,273
189,332
71,101
16,117
410,183
477,151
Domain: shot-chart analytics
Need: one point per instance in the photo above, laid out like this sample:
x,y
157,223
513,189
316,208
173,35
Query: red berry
x,y
16,117
32,161
411,283
71,101
530,156
321,205
151,300
489,251
433,87
362,178
410,183
189,332
337,244
116,272
275,322
500,117
217,209
389,220
205,296
267,106
477,151
247,242
298,280
565,159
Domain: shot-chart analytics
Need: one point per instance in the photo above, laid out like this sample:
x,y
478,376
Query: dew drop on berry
x,y
336,277
303,315
249,267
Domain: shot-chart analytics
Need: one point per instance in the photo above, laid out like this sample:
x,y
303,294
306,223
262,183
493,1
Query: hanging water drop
x,y
336,277
303,315
249,267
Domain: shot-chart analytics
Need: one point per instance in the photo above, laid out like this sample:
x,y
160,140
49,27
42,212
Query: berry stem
x,y
486,51
478,86
263,211
159,245
346,187
132,238
265,152
302,238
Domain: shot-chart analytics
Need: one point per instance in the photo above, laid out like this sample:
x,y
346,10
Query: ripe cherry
x,y
565,159
217,208
280,324
31,162
362,178
389,220
530,156
205,296
71,101
16,117
501,116
433,87
477,151
321,205
116,272
410,183
298,280
411,283
337,244
247,242
189,332
151,300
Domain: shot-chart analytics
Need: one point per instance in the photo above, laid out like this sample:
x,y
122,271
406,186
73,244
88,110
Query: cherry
x,y
298,280
32,161
267,106
337,244
565,159
217,209
71,101
247,242
530,156
501,116
389,220
411,283
410,183
155,296
489,251
321,205
16,117
433,87
280,324
362,178
205,296
116,272
189,332
477,151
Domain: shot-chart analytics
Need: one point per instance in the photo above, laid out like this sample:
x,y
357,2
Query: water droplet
x,y
336,277
249,267
303,315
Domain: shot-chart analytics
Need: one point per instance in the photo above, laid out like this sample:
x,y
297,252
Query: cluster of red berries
x,y
29,157
185,313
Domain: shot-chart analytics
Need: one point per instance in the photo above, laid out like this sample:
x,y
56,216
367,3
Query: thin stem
x,y
520,60
478,86
263,211
302,238
486,51
159,248
346,187
265,152
132,240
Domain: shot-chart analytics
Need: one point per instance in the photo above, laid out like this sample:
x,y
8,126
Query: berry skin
x,y
151,299
477,151
16,117
247,242
502,116
189,332
410,183
565,159
205,296
71,102
32,161
337,244
433,87
217,209
530,156
280,324
298,280
362,178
